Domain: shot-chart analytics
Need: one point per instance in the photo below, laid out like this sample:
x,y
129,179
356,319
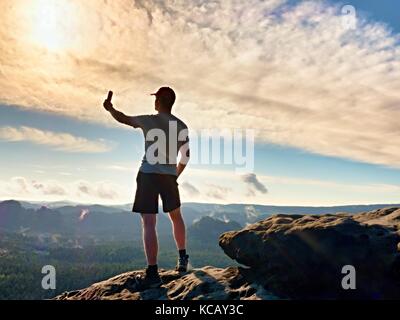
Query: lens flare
x,y
52,24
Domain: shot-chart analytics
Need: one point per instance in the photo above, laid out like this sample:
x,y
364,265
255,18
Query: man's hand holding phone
x,y
107,103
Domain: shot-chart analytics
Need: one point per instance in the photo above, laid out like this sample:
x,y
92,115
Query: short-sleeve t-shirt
x,y
164,136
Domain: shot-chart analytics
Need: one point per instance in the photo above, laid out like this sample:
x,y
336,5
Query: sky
x,y
319,88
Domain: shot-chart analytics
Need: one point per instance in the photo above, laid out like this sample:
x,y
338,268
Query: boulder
x,y
302,256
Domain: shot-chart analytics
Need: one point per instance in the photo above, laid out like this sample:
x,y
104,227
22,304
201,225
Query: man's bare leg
x,y
150,241
178,228
151,278
179,231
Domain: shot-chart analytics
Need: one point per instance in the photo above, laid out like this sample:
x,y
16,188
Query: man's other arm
x,y
185,156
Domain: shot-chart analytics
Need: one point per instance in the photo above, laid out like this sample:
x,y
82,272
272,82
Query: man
x,y
157,177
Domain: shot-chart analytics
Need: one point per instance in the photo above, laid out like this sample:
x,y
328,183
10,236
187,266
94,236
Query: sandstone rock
x,y
301,256
207,283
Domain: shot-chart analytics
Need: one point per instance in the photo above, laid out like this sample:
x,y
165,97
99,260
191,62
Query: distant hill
x,y
68,220
270,209
208,229
53,204
250,213
115,222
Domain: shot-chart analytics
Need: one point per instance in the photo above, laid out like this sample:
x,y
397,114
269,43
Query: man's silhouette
x,y
157,177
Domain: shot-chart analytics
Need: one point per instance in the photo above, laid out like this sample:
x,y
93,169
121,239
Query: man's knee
x,y
176,214
149,220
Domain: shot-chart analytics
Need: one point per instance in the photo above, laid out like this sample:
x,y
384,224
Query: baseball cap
x,y
165,92
166,95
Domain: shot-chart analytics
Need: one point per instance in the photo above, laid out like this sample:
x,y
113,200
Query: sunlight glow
x,y
53,23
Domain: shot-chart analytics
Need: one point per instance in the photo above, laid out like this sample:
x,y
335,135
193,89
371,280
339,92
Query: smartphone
x,y
110,94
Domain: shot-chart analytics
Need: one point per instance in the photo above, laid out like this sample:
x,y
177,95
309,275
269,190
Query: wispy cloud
x,y
190,188
102,190
24,186
49,188
288,190
80,190
291,71
59,141
219,187
218,192
117,167
253,183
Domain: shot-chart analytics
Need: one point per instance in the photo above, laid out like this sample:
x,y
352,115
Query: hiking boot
x,y
147,280
183,263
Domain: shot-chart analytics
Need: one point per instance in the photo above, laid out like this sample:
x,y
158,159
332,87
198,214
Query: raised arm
x,y
117,115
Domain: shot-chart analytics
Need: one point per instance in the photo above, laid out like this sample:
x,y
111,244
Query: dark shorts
x,y
151,185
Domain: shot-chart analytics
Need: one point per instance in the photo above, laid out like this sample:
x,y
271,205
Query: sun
x,y
53,23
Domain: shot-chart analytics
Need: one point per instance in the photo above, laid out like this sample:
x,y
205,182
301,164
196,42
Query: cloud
x,y
65,173
121,168
322,184
21,183
190,188
106,191
59,141
253,183
290,71
84,187
218,192
25,188
101,190
49,189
